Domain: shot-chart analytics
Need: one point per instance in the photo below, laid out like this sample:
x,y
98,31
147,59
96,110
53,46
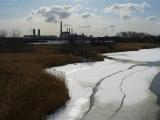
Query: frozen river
x,y
114,89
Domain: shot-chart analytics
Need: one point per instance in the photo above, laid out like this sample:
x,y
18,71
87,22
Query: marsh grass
x,y
27,92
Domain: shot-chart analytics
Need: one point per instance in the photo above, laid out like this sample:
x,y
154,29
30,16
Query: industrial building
x,y
39,37
65,34
66,37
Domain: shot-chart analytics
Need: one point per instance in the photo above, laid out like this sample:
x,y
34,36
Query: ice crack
x,y
124,95
95,89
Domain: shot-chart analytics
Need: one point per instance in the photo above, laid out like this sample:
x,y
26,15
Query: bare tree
x,y
15,33
3,33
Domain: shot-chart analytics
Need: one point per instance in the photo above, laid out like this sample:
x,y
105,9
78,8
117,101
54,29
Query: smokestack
x,y
61,27
69,30
39,32
34,32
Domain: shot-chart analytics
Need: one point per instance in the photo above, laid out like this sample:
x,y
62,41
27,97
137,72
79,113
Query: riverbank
x,y
112,89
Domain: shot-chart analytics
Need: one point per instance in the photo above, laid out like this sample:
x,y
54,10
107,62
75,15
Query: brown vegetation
x,y
27,92
120,47
132,46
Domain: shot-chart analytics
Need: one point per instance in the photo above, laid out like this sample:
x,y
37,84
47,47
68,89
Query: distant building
x,y
64,35
40,37
68,37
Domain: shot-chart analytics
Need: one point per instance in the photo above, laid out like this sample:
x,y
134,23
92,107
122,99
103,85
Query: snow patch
x,y
78,108
82,77
146,55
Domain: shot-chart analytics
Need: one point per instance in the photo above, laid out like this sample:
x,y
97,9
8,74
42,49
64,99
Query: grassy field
x,y
28,93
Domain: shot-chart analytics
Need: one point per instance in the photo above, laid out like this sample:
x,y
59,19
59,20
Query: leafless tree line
x,y
13,33
138,37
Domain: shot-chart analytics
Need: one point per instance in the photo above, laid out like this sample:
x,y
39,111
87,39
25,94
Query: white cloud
x,y
86,26
55,13
52,13
126,17
86,15
151,18
126,10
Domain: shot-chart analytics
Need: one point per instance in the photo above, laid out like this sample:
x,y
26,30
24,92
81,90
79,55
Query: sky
x,y
92,17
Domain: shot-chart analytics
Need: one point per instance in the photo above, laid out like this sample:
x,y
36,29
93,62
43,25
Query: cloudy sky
x,y
96,17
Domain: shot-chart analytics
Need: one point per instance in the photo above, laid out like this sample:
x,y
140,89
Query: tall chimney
x,y
34,32
61,27
39,32
69,30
